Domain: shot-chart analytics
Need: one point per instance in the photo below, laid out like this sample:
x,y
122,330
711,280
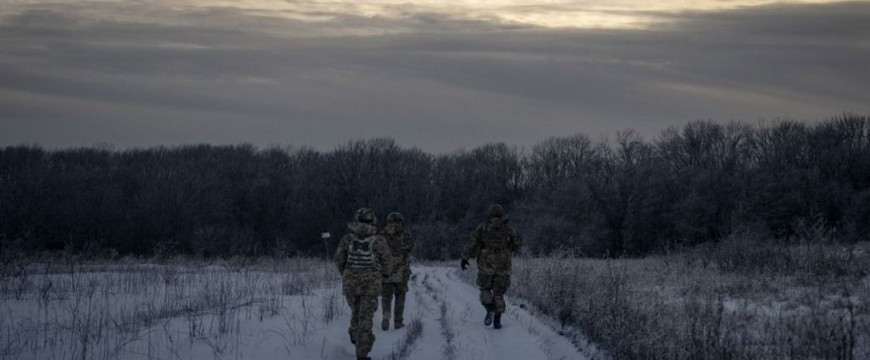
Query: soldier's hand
x,y
464,264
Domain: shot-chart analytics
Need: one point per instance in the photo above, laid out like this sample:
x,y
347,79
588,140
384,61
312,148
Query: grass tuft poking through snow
x,y
406,344
447,332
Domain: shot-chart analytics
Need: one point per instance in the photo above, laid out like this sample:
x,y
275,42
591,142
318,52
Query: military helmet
x,y
496,211
395,217
365,215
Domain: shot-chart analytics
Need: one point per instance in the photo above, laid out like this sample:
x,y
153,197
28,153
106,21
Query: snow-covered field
x,y
279,310
788,304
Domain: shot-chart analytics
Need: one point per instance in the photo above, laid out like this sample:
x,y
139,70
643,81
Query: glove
x,y
464,264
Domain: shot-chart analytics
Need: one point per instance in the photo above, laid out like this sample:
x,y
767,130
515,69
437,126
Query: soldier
x,y
492,244
363,258
401,243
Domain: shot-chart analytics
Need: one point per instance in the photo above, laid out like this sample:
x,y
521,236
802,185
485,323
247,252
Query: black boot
x,y
497,323
489,311
363,358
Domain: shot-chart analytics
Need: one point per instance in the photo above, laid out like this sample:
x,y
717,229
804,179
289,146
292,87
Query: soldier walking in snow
x,y
401,243
363,258
492,244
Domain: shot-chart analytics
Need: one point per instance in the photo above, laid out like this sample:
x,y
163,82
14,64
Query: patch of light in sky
x,y
551,14
610,14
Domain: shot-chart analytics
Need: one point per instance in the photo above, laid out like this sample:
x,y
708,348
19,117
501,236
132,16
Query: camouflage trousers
x,y
493,285
362,308
398,290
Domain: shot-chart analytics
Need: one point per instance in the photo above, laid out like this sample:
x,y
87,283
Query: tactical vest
x,y
496,236
361,254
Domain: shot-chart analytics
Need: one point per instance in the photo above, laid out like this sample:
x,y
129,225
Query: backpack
x,y
496,236
397,244
361,254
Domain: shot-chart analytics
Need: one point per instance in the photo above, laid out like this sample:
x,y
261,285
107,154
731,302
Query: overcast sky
x,y
434,74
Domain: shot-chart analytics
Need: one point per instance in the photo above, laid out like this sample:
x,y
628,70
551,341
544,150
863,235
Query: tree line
x,y
618,196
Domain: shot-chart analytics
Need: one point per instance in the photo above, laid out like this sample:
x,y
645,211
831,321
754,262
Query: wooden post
x,y
325,236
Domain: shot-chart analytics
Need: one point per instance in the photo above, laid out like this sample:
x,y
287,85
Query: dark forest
x,y
618,196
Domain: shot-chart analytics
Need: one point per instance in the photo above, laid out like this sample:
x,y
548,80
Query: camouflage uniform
x,y
401,244
492,244
363,258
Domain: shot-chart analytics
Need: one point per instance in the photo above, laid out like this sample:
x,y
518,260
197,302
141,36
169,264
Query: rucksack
x,y
495,236
361,254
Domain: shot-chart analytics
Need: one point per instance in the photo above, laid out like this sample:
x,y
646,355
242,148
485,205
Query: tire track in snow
x,y
452,327
421,302
446,329
522,337
447,333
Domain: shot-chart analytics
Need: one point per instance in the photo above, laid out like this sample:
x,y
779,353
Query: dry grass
x,y
107,310
403,348
736,300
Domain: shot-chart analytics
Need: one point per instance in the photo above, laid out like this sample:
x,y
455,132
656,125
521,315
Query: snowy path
x,y
453,329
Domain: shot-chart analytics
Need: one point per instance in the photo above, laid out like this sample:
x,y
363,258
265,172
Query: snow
x,y
221,314
522,336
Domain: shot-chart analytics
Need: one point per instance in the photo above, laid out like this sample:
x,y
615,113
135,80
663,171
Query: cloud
x,y
135,74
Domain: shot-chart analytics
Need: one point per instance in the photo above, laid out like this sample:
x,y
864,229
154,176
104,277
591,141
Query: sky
x,y
434,74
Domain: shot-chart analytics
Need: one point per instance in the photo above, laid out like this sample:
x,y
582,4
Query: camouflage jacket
x,y
367,282
492,244
401,243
